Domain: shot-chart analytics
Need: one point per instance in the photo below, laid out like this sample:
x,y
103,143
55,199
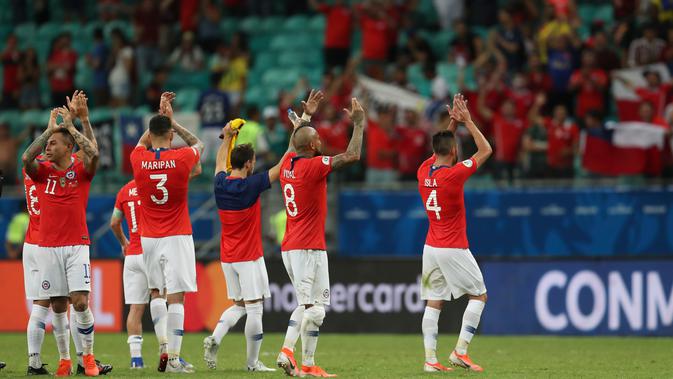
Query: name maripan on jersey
x,y
157,165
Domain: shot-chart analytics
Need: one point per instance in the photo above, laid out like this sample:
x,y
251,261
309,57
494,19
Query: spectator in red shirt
x,y
590,83
654,92
11,57
61,69
508,131
538,77
412,147
375,27
337,32
381,148
646,113
606,57
521,94
334,131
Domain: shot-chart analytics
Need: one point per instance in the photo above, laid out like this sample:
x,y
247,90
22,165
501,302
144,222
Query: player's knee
x,y
315,314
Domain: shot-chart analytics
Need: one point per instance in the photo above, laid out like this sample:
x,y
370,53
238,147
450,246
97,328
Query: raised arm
x,y
116,226
462,114
534,112
35,148
79,108
223,151
352,153
166,109
90,150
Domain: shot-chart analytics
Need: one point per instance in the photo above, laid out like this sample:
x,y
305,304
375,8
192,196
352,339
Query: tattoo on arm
x,y
87,130
354,149
90,150
34,150
188,137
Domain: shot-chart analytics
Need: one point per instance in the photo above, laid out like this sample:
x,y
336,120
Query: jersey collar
x,y
434,168
157,152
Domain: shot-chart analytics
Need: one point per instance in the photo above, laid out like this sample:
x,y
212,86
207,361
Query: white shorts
x,y
450,272
170,263
309,274
64,270
31,272
246,280
136,290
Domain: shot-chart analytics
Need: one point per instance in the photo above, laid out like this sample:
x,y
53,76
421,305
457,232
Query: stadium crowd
x,y
536,73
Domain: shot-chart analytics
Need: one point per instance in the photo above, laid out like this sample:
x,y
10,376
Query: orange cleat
x,y
64,368
464,361
287,362
90,366
434,367
315,371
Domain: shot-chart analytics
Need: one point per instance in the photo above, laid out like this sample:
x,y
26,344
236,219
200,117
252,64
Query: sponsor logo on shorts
x,y
325,293
46,285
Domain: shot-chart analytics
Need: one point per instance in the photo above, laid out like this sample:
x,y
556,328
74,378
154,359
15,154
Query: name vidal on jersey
x,y
157,165
288,174
430,183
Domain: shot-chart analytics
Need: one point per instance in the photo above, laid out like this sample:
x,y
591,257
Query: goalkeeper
x,y
237,193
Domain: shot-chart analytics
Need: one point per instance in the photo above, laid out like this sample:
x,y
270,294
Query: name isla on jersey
x,y
157,165
432,183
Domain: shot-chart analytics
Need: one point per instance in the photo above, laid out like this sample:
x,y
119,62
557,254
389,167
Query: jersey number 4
x,y
431,204
160,186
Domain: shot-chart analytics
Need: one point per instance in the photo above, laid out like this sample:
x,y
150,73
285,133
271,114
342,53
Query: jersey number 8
x,y
160,186
431,204
290,205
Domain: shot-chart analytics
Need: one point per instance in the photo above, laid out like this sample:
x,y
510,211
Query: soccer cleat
x,y
103,369
210,348
90,365
163,361
178,367
187,365
64,368
435,367
287,362
259,366
37,371
2,365
137,363
464,361
315,371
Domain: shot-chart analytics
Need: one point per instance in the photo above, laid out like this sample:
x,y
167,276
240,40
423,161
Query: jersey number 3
x,y
431,204
160,186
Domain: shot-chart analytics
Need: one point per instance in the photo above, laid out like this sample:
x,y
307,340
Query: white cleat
x,y
210,348
178,367
259,366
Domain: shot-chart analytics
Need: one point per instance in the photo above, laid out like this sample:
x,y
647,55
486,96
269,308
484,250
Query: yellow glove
x,y
236,124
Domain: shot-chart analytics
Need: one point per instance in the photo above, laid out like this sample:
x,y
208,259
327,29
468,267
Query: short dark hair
x,y
241,154
66,134
443,142
160,125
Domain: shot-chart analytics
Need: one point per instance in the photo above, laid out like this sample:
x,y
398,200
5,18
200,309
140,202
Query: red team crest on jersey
x,y
441,188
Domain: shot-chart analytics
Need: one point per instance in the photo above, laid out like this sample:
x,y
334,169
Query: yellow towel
x,y
236,124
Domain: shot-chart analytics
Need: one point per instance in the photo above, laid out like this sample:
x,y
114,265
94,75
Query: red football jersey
x,y
162,179
304,185
33,205
128,202
441,189
63,198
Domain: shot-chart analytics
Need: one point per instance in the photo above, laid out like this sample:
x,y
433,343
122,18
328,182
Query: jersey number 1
x,y
431,204
160,186
134,223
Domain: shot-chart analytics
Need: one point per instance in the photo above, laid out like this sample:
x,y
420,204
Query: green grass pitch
x,y
391,356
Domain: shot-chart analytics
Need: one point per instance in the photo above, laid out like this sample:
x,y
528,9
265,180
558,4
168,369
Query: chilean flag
x,y
628,101
627,148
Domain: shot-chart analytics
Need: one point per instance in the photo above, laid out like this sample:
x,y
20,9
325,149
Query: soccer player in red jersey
x,y
63,186
449,269
304,184
237,195
162,177
136,290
